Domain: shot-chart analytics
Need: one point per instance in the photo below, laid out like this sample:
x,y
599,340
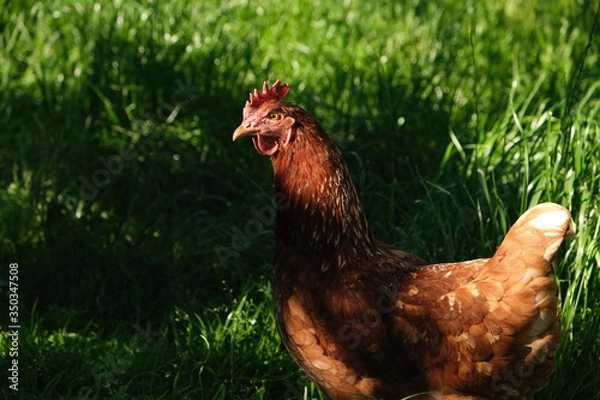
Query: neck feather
x,y
323,215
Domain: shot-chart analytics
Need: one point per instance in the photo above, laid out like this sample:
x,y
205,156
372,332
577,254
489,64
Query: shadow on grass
x,y
122,190
126,186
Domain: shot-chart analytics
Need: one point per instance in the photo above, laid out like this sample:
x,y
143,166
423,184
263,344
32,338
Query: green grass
x,y
142,271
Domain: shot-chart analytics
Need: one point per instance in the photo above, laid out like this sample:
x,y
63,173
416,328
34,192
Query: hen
x,y
363,318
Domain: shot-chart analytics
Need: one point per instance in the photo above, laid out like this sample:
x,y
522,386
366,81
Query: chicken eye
x,y
274,117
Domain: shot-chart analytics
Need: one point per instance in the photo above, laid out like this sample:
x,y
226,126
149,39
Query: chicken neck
x,y
320,213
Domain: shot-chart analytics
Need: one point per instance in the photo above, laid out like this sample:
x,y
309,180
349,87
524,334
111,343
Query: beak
x,y
243,131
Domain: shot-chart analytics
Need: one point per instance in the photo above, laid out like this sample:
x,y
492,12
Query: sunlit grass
x,y
120,179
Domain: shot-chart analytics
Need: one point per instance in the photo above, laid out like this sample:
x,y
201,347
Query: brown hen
x,y
363,318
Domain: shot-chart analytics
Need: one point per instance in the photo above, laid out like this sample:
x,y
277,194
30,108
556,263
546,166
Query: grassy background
x,y
143,272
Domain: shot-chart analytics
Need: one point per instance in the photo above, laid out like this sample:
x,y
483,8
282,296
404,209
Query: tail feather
x,y
538,232
523,267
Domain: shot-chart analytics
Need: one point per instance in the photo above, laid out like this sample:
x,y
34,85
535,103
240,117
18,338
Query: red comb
x,y
276,92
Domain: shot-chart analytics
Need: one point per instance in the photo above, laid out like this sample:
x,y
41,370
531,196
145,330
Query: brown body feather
x,y
363,318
